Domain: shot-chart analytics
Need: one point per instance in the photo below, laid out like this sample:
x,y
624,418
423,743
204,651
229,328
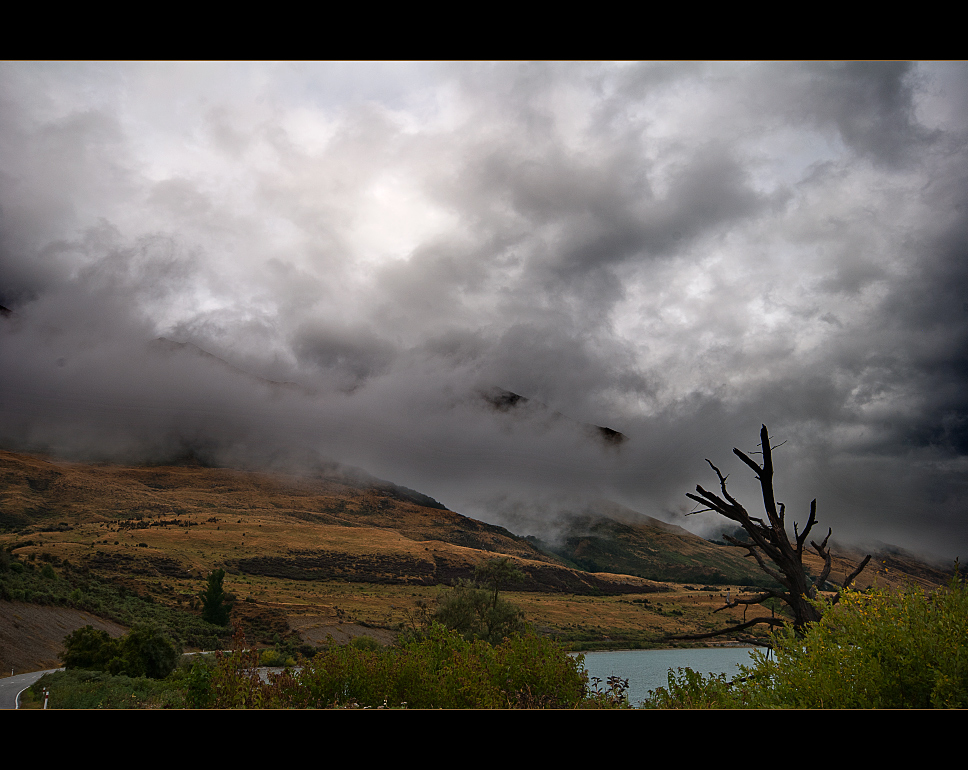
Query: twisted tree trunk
x,y
776,554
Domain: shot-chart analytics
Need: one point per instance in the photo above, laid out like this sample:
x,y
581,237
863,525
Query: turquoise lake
x,y
648,669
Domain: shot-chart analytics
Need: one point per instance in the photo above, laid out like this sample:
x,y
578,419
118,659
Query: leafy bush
x,y
476,610
874,649
89,648
215,603
475,613
275,659
690,690
81,589
80,689
143,652
439,669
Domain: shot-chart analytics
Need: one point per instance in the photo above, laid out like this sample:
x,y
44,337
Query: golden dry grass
x,y
160,530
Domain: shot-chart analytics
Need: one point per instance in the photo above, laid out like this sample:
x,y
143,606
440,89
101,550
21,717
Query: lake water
x,y
648,669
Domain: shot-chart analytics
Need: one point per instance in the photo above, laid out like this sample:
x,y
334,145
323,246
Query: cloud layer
x,y
677,252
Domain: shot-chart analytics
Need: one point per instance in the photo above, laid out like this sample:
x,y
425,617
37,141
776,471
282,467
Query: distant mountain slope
x,y
187,519
608,537
182,520
34,490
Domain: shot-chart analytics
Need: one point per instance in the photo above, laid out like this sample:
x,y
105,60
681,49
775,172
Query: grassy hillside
x,y
338,553
180,522
612,538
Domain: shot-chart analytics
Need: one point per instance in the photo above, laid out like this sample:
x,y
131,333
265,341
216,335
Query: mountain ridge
x,y
52,499
342,554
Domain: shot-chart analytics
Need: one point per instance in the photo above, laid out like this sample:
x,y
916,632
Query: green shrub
x,y
80,589
476,610
882,649
215,603
439,669
476,613
79,689
688,689
143,652
875,649
275,659
89,648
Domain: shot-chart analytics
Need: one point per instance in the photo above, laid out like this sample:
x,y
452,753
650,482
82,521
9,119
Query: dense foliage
x,y
76,587
215,603
476,609
440,669
85,689
143,652
874,649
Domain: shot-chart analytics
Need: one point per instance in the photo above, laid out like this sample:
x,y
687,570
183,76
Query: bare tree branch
x,y
770,545
758,599
733,629
851,576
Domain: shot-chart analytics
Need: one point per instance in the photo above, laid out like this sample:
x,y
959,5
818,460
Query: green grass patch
x,y
80,689
40,583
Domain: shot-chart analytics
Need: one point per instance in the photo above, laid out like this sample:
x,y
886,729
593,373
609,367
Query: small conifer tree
x,y
215,608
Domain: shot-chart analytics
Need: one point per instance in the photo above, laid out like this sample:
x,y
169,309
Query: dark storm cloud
x,y
352,356
357,252
871,104
599,217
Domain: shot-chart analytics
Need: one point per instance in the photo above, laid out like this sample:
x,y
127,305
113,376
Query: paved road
x,y
12,686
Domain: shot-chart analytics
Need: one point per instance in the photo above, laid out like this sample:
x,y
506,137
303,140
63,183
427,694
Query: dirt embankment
x,y
32,636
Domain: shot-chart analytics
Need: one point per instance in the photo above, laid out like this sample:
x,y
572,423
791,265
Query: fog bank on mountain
x,y
343,258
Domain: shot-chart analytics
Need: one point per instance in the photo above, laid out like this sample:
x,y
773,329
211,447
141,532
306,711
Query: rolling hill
x,y
338,552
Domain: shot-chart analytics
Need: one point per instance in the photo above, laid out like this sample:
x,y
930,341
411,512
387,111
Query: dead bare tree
x,y
770,546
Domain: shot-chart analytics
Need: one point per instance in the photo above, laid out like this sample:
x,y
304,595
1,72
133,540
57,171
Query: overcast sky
x,y
679,252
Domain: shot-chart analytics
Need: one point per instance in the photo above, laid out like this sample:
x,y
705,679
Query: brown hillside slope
x,y
31,636
336,553
609,537
182,521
